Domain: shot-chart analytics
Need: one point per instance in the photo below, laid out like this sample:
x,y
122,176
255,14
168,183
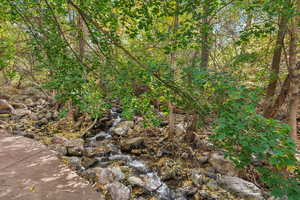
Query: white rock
x,y
133,180
240,187
118,191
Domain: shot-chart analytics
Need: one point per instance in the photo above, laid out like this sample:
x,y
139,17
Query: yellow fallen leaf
x,y
31,188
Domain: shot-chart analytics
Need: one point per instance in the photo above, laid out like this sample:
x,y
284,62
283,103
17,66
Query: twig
x,y
89,128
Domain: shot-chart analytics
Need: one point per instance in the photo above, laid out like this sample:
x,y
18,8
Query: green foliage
x,y
170,69
246,135
7,49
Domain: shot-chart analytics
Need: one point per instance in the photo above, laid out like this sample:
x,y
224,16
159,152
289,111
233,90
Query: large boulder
x,y
118,191
108,175
240,187
152,183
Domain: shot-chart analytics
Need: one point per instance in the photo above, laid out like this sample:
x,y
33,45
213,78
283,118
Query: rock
x,y
55,114
33,117
100,151
203,194
74,162
41,101
44,120
29,102
133,180
90,152
74,151
88,162
109,123
120,157
133,143
117,173
180,129
75,147
21,112
202,143
122,128
102,163
198,178
184,155
40,116
139,166
5,107
90,175
240,187
100,136
141,198
167,173
255,161
151,182
59,140
108,175
59,149
26,134
222,165
164,193
212,184
48,115
187,190
104,175
203,159
118,191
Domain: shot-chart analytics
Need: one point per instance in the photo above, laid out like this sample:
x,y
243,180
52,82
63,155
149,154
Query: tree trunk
x,y
272,109
294,98
271,89
172,117
292,113
80,37
205,48
80,25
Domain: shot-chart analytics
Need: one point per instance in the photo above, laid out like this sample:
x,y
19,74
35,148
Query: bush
x,y
245,135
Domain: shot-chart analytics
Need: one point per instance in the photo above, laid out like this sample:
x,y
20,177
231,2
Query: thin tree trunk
x,y
80,25
205,48
272,110
294,98
292,113
80,44
173,71
276,60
